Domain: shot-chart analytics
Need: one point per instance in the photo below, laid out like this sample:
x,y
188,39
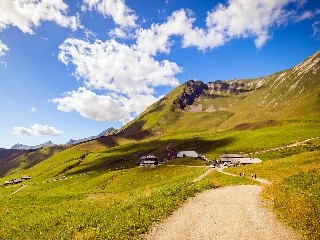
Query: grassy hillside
x,y
293,95
12,160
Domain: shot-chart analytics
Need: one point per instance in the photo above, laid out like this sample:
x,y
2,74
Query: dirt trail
x,y
203,175
260,180
19,189
296,144
224,214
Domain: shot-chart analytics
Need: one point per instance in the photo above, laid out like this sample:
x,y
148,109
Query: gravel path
x,y
224,214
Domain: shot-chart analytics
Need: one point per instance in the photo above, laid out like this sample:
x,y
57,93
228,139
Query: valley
x,y
95,190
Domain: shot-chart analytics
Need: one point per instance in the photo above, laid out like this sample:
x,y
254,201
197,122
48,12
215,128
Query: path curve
x,y
225,214
260,180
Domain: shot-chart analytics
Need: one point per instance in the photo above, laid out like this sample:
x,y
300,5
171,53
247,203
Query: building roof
x,y
148,157
241,160
249,160
187,152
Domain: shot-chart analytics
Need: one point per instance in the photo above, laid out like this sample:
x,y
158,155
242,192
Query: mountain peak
x,y
107,132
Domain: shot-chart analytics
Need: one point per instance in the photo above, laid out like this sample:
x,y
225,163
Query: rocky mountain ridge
x,y
276,89
107,132
19,146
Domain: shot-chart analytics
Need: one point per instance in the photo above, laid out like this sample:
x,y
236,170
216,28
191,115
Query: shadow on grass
x,y
12,160
135,131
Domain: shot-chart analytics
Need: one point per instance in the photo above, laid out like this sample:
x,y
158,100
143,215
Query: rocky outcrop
x,y
192,90
224,86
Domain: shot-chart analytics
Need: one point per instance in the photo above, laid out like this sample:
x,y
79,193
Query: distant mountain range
x,y
19,146
107,132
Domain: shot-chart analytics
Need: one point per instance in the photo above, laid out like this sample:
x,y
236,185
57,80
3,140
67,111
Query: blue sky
x,y
71,69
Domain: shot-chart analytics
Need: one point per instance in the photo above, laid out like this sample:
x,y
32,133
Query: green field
x,y
104,195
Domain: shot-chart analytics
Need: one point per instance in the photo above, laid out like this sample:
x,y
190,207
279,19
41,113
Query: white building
x,y
187,154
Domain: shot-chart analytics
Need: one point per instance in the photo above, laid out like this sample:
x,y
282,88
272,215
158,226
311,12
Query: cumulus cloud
x,y
128,77
116,9
236,19
33,109
117,67
37,130
156,38
91,105
28,14
121,33
3,48
111,107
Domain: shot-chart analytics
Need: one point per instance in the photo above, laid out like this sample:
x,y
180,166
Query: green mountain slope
x,y
12,160
292,95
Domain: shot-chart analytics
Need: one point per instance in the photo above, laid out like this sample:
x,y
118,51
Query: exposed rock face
x,y
224,86
193,90
107,132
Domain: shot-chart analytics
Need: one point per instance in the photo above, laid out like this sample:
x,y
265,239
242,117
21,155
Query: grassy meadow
x,y
95,190
120,204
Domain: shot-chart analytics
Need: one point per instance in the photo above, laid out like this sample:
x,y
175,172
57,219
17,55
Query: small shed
x,y
187,154
149,160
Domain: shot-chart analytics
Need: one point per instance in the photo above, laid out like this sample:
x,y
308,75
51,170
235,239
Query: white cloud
x,y
117,9
249,18
120,33
236,19
4,64
28,14
33,109
156,38
127,76
316,30
3,48
111,107
117,67
37,130
90,105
